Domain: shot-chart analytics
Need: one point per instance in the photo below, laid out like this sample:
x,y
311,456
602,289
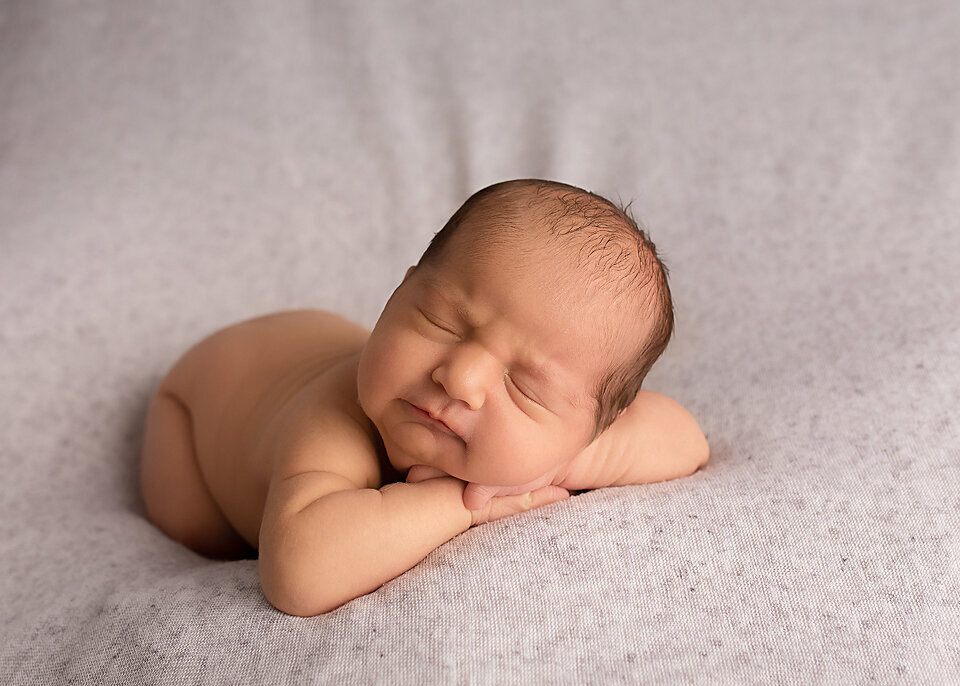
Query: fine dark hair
x,y
614,242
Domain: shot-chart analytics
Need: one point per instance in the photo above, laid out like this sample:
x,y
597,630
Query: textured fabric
x,y
167,168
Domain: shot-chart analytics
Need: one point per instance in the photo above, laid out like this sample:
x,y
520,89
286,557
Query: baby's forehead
x,y
566,315
539,269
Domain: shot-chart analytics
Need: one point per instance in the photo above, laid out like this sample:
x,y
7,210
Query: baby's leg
x,y
177,498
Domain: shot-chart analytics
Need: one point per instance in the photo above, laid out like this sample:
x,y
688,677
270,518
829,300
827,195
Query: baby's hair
x,y
621,253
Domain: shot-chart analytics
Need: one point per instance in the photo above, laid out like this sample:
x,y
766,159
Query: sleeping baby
x,y
504,372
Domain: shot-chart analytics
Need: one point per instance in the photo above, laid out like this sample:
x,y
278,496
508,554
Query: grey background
x,y
167,168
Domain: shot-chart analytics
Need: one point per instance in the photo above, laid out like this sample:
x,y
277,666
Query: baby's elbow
x,y
281,587
702,452
293,604
292,593
698,448
291,581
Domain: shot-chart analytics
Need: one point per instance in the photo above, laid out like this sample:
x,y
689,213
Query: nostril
x,y
458,388
438,378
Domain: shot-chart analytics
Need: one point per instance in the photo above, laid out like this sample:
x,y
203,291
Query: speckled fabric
x,y
167,168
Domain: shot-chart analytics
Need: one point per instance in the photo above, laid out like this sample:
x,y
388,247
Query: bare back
x,y
238,386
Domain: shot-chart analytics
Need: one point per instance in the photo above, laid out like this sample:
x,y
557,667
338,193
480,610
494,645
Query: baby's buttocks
x,y
235,384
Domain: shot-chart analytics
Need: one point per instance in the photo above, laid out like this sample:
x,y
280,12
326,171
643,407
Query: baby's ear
x,y
409,272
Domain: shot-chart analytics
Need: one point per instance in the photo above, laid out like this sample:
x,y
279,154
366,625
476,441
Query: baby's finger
x,y
421,472
504,506
547,495
475,496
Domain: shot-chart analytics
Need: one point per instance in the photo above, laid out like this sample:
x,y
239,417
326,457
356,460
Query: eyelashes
x,y
437,324
527,395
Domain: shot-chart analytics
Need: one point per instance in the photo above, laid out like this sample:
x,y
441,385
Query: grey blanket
x,y
167,168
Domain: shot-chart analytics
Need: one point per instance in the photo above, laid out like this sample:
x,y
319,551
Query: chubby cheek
x,y
504,457
520,457
372,381
388,366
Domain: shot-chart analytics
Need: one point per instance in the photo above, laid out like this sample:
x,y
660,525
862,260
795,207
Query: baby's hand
x,y
475,496
500,506
489,503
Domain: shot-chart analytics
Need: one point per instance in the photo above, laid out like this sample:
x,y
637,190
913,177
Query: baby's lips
x,y
440,419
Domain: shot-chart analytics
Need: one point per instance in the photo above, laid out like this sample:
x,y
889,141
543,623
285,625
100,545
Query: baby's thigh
x,y
175,493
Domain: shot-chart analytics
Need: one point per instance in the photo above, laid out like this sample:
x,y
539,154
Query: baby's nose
x,y
468,374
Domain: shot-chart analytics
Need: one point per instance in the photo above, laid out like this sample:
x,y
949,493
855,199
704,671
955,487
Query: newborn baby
x,y
503,372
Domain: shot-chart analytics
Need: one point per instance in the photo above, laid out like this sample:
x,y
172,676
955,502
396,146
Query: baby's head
x,y
615,259
527,326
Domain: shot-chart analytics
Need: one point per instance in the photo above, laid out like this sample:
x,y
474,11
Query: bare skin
x,y
215,424
345,457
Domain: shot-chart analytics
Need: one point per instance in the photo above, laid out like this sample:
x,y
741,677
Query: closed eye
x,y
525,393
437,324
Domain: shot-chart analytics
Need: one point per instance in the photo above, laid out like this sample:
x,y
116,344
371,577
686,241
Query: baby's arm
x,y
654,439
325,540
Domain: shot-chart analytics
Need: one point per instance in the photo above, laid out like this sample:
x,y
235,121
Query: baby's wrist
x,y
442,495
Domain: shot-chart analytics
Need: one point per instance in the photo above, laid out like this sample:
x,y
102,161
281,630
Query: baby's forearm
x,y
350,542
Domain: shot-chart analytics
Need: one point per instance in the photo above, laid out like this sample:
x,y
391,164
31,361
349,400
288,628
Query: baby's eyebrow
x,y
442,290
434,284
537,370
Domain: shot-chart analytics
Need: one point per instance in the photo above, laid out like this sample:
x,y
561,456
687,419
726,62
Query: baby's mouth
x,y
432,420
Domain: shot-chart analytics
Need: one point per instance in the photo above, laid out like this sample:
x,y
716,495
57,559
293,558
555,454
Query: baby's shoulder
x,y
325,430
